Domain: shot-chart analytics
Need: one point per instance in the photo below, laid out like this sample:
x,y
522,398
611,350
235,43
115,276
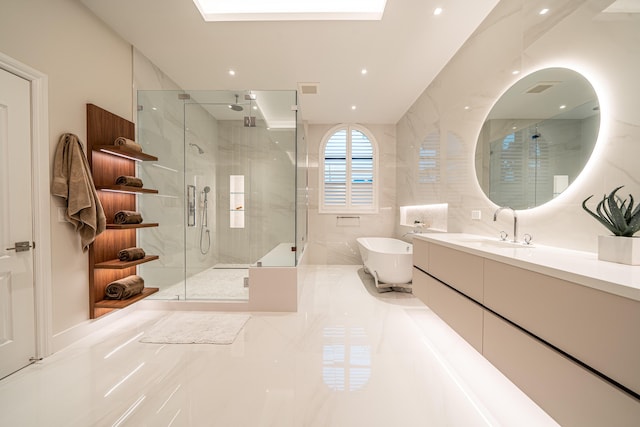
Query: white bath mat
x,y
196,327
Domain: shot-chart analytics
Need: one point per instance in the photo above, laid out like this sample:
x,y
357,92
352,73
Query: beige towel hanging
x,y
72,181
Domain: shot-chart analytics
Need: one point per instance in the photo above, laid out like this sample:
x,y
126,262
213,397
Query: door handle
x,y
21,247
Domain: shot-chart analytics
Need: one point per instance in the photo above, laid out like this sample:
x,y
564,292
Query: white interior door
x,y
17,312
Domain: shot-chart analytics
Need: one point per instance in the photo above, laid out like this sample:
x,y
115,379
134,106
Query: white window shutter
x,y
348,172
335,170
361,170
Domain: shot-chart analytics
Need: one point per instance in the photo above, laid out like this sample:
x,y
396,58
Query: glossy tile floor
x,y
349,357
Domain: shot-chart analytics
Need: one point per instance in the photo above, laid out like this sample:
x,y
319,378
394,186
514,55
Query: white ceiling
x,y
403,52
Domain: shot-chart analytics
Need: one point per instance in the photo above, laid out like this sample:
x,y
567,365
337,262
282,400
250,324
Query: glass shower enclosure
x,y
231,177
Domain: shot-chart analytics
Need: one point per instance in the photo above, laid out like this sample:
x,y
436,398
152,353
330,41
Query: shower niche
x,y
232,185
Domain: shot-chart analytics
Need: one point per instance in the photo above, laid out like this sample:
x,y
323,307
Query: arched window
x,y
348,171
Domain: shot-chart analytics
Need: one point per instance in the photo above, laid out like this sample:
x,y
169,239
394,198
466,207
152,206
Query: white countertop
x,y
583,268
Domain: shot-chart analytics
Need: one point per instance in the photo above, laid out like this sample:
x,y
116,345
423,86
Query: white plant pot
x,y
623,250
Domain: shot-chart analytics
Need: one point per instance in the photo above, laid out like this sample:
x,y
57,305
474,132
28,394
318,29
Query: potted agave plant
x,y
623,220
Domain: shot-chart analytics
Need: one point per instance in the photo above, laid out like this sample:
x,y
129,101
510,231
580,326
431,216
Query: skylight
x,y
291,10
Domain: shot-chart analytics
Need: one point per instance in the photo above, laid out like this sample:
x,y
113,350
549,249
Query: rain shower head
x,y
200,150
236,106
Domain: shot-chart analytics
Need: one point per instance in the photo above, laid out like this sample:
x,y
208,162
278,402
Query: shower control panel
x,y
191,205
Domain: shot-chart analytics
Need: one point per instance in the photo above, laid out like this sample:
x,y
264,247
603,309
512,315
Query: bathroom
x,y
449,113
603,47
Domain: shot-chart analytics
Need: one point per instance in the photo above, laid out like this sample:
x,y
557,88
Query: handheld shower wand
x,y
206,190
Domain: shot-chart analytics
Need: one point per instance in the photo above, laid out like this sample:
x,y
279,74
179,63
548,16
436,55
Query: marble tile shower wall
x,y
331,240
267,161
575,34
228,149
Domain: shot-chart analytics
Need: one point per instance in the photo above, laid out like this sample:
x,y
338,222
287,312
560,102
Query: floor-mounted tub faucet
x,y
515,221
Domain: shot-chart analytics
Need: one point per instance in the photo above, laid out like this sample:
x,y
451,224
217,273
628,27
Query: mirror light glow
x,y
600,86
547,140
290,10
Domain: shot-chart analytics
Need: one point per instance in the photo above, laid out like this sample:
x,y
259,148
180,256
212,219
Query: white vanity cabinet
x,y
421,254
459,270
568,392
573,349
461,313
599,329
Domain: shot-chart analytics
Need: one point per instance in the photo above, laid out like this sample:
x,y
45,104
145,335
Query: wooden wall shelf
x,y
117,150
126,189
107,163
131,226
122,303
116,264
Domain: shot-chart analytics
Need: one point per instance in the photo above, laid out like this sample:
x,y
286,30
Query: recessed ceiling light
x,y
544,11
514,127
255,107
353,107
437,11
515,72
562,107
290,10
154,108
363,71
232,72
466,107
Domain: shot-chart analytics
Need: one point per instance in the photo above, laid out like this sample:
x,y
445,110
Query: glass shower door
x,y
160,131
217,252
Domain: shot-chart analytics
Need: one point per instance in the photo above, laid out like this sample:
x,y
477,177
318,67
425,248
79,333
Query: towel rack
x,y
347,217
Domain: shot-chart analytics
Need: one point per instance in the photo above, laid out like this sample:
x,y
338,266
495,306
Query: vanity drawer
x,y
569,393
419,285
459,270
595,327
421,254
463,315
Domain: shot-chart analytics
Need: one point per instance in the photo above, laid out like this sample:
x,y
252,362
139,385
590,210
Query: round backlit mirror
x,y
537,138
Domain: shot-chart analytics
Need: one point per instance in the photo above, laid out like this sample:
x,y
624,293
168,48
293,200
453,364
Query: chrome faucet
x,y
515,221
414,231
417,225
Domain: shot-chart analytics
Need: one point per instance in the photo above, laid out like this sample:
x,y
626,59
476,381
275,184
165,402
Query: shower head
x,y
200,150
236,107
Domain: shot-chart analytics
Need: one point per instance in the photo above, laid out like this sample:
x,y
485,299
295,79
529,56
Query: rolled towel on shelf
x,y
124,288
127,217
131,254
129,181
127,144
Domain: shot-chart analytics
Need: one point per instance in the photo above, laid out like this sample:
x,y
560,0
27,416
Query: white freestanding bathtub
x,y
388,260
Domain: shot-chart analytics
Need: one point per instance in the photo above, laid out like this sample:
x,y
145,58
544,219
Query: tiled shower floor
x,y
223,284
